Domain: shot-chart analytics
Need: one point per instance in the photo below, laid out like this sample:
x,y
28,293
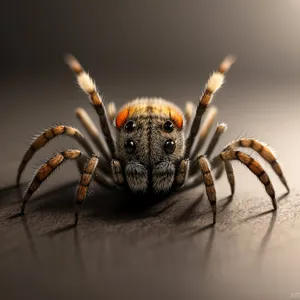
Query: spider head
x,y
150,131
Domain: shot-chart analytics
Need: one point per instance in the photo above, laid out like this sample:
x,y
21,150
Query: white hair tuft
x,y
215,81
86,83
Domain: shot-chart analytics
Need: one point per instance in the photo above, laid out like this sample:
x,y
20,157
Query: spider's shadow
x,y
108,205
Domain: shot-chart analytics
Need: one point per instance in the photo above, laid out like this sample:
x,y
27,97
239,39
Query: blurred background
x,y
138,48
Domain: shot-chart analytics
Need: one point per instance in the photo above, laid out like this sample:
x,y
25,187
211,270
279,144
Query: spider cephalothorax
x,y
151,145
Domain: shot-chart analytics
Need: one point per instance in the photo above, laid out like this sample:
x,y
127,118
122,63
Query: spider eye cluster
x,y
168,126
130,146
130,126
170,146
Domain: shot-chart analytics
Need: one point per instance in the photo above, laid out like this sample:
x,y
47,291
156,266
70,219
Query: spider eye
x,y
129,126
129,146
170,146
168,126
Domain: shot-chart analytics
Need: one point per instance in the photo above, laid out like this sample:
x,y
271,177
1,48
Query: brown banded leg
x,y
209,184
88,86
264,151
182,172
221,128
101,178
46,170
47,136
84,184
205,129
230,175
213,84
93,132
111,111
117,174
255,167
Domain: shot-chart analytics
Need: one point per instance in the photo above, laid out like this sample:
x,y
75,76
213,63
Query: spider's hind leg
x,y
264,151
255,167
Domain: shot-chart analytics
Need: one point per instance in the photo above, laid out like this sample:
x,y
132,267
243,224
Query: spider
x,y
150,145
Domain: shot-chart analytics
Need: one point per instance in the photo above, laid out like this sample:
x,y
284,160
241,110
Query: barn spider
x,y
150,146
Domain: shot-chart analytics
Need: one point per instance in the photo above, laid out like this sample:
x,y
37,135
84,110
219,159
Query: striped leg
x,y
255,167
230,175
93,132
202,134
47,136
221,128
46,170
89,87
101,178
209,184
213,84
264,151
84,183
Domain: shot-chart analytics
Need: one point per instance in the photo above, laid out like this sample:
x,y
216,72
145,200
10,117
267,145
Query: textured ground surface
x,y
122,250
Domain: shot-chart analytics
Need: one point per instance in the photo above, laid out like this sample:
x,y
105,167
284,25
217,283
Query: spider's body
x,y
151,145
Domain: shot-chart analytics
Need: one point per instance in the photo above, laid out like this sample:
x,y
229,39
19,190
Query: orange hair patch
x,y
145,109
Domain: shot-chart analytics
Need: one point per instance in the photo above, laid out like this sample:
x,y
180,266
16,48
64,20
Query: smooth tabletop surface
x,y
126,250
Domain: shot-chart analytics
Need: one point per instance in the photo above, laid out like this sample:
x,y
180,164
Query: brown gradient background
x,y
122,250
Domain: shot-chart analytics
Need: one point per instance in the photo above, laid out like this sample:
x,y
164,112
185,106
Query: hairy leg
x,y
88,86
264,151
209,184
46,170
93,132
202,134
84,184
47,136
255,167
213,84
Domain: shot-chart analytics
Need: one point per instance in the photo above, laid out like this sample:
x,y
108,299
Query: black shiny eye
x,y
170,146
129,146
168,126
129,126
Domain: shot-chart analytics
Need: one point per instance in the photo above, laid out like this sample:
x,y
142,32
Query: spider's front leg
x,y
254,166
117,174
52,164
209,184
182,172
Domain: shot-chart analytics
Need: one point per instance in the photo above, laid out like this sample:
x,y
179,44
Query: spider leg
x,y
88,86
48,135
230,175
209,184
255,167
86,178
111,111
99,177
213,84
93,132
264,151
46,170
202,134
117,174
189,114
221,128
182,172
